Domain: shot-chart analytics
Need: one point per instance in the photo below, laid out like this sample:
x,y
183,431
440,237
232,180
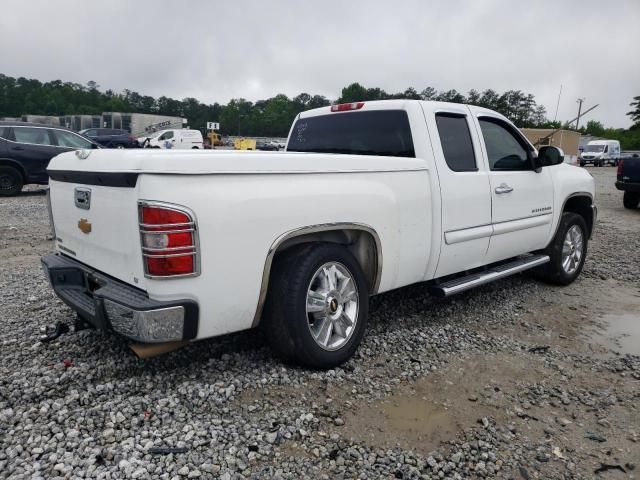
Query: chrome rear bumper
x,y
110,304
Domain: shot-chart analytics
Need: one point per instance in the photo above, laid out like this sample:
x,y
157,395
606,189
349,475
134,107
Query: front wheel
x,y
631,200
317,305
567,251
10,181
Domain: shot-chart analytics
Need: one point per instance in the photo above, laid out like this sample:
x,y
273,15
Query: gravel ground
x,y
512,380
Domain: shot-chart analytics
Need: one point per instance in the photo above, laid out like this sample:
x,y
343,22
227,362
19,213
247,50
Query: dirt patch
x,y
422,416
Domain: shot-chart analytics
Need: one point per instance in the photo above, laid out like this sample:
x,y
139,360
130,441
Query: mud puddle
x,y
436,407
620,333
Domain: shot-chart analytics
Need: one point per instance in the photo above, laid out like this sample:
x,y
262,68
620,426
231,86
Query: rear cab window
x,y
374,132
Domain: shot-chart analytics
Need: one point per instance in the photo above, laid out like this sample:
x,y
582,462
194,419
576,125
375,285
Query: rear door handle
x,y
503,188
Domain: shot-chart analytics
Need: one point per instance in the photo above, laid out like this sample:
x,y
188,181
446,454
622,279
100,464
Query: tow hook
x,y
52,331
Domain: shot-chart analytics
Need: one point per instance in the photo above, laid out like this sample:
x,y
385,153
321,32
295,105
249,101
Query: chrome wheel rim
x,y
332,306
572,249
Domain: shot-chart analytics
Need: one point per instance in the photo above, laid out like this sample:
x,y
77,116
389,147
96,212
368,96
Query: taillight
x,y
619,171
345,107
169,240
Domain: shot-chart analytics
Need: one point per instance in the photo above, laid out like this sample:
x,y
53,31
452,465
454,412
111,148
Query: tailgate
x,y
631,170
98,226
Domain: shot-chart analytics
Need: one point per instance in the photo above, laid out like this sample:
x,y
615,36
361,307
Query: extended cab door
x,y
521,198
464,189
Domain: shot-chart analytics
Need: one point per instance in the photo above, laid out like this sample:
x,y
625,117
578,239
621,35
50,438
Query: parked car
x,y
600,152
369,197
178,139
628,180
25,151
266,146
111,137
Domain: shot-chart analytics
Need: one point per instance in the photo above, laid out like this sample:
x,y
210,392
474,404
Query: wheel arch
x,y
581,203
361,240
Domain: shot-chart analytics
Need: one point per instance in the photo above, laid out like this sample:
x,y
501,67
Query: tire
x,y
554,272
631,200
11,181
194,148
288,325
120,146
582,164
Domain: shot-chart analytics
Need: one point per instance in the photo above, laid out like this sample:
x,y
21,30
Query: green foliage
x,y
270,117
635,113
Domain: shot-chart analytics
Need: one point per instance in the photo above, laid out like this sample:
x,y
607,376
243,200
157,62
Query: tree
x,y
635,113
595,128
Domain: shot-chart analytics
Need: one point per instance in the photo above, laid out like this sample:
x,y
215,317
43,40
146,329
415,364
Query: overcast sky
x,y
215,51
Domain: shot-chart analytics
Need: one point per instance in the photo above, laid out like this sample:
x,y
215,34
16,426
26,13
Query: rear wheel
x,y
567,251
317,305
631,200
11,181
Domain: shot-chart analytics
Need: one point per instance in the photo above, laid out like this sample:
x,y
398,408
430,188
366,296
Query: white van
x,y
600,152
178,139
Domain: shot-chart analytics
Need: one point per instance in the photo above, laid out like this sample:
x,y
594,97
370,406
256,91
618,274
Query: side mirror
x,y
550,155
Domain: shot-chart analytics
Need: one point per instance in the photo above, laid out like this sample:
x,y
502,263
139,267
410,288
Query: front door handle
x,y
503,188
17,148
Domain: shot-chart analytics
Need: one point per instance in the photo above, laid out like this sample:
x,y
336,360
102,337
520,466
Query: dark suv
x,y
110,137
25,151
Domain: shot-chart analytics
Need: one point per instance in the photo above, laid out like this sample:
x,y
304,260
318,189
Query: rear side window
x,y
36,136
456,142
68,139
378,132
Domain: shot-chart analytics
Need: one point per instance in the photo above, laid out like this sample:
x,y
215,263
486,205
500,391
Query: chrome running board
x,y
460,284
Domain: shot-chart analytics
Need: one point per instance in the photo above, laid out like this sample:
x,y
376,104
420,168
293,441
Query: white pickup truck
x,y
161,246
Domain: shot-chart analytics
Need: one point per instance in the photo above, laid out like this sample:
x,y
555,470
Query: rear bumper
x,y
110,304
628,186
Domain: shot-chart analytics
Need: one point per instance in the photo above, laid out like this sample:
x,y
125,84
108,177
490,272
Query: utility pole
x,y
555,117
580,100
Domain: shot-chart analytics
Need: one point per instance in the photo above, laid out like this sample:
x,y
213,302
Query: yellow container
x,y
244,144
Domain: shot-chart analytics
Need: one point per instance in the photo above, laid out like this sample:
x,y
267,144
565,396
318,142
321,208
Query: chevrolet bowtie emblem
x,y
84,225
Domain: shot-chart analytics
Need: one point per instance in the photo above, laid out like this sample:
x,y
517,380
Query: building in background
x,y
137,124
567,140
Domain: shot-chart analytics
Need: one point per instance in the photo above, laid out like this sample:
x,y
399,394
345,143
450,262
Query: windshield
x,y
594,148
152,134
376,132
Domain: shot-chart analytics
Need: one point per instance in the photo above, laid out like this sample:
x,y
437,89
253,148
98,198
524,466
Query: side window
x,y
71,140
606,149
456,142
37,136
166,135
505,150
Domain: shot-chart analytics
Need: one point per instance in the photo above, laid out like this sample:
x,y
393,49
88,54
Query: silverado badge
x,y
84,225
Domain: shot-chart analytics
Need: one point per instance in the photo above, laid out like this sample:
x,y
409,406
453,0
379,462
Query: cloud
x,y
215,51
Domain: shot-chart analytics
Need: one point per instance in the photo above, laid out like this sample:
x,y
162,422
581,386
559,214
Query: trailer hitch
x,y
54,330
